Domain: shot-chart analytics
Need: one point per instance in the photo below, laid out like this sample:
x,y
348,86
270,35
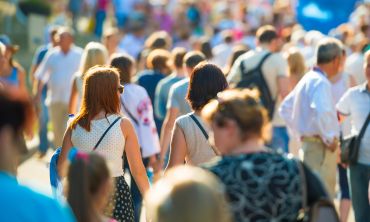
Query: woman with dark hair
x,y
189,141
100,115
89,186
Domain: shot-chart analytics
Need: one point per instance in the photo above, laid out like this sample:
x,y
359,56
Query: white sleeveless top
x,y
111,147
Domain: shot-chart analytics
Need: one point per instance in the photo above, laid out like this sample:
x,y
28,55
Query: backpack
x,y
254,79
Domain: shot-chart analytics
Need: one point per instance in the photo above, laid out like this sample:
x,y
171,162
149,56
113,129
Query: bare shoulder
x,y
126,126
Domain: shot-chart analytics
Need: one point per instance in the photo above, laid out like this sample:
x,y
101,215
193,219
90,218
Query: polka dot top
x,y
111,147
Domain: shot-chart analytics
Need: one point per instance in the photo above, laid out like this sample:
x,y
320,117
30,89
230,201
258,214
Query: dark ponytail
x,y
79,197
87,173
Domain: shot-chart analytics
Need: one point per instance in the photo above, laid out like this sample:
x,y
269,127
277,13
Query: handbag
x,y
350,145
322,210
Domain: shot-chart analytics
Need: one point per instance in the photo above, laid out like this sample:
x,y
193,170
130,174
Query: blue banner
x,y
324,15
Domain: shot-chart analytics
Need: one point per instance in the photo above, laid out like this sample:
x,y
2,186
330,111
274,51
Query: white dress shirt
x,y
57,70
309,110
138,103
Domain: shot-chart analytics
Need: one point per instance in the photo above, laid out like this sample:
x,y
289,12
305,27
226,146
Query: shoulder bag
x,y
351,145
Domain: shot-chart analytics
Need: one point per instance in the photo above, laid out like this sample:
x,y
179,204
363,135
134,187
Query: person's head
x,y
159,60
206,48
65,38
296,63
185,194
10,49
53,33
178,55
94,54
367,66
192,59
237,51
125,64
159,40
101,92
111,39
236,117
16,117
89,185
206,81
329,53
227,36
268,37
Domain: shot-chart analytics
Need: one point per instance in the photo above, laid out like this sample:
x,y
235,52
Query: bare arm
x,y
66,147
73,99
283,86
135,162
168,123
178,148
22,79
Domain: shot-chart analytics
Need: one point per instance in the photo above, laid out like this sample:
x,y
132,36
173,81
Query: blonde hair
x,y
242,106
297,66
186,194
94,54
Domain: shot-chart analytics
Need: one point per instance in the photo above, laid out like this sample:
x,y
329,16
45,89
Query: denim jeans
x,y
43,123
280,139
359,175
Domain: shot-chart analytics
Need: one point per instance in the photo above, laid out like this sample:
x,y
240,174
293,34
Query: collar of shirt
x,y
364,88
262,48
318,70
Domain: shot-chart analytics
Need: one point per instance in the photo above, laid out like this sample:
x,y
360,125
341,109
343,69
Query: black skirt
x,y
120,206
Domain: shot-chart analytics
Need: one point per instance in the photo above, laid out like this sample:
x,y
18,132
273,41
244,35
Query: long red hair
x,y
99,94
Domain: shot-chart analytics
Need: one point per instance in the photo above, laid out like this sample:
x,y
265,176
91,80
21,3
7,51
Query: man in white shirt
x,y
274,71
309,110
355,104
57,70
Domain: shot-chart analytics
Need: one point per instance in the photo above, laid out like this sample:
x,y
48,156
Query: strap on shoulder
x,y
263,60
199,125
106,131
129,113
363,129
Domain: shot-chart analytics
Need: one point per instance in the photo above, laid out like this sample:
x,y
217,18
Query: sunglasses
x,y
120,89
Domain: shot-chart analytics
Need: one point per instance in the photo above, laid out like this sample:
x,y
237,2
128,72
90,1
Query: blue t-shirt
x,y
149,80
161,95
19,203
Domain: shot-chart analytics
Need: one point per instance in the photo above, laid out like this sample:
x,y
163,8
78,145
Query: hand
x,y
334,145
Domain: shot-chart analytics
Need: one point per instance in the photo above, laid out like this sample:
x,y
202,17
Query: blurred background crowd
x,y
158,49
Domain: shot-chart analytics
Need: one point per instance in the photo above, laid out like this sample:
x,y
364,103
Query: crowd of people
x,y
232,125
